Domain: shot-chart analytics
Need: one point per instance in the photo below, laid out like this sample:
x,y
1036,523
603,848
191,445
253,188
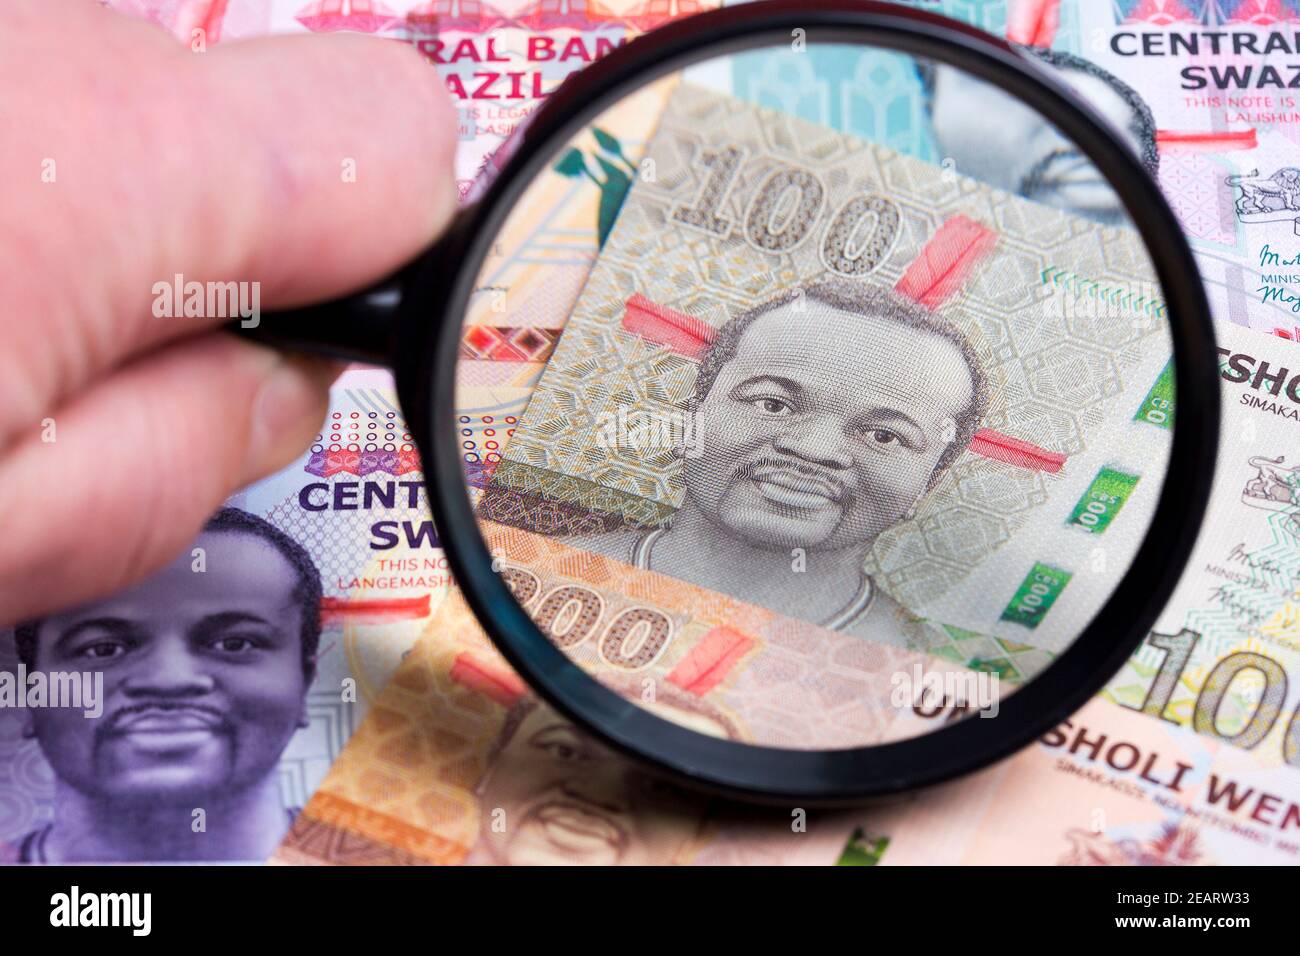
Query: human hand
x,y
130,159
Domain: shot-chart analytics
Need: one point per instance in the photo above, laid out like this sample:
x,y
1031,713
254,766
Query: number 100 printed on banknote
x,y
831,380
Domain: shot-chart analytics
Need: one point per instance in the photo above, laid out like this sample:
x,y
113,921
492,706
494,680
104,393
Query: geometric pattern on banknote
x,y
353,461
360,16
331,720
735,835
312,841
505,344
878,94
334,538
497,374
1208,12
428,19
1013,662
550,502
1057,372
544,514
1193,183
26,780
27,783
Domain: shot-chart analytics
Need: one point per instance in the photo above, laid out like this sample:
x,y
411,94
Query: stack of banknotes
x,y
412,741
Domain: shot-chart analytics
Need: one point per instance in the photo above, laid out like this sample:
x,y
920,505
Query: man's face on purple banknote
x,y
204,681
825,427
555,795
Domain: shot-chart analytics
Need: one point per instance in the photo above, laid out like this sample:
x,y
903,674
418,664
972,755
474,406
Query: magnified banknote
x,y
1005,347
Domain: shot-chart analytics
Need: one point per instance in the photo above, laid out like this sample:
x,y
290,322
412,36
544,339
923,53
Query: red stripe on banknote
x,y
684,334
1034,22
1013,451
374,609
947,259
491,680
1210,142
709,661
212,22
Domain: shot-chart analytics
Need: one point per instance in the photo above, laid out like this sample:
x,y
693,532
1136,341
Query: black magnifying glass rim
x,y
442,287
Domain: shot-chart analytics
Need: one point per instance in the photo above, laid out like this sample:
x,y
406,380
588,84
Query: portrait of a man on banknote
x,y
206,666
554,794
821,417
1030,157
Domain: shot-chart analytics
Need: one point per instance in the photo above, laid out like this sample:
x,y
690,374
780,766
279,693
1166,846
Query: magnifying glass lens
x,y
818,396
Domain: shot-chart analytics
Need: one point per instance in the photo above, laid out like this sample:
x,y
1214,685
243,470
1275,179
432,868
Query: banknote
x,y
281,624
458,762
1191,754
1228,132
498,61
1203,91
1108,787
1224,653
1037,381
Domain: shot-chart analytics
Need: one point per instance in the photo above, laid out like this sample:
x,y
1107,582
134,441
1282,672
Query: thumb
x,y
123,477
310,165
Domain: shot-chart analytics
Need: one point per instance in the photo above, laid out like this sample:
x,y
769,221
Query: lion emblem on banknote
x,y
1265,198
1273,487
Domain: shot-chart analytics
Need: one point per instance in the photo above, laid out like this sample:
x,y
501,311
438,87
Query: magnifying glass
x,y
849,459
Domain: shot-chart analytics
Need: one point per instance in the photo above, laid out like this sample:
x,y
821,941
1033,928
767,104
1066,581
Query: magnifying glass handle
x,y
361,327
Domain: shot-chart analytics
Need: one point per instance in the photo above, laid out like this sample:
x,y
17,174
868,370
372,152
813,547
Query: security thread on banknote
x,y
767,283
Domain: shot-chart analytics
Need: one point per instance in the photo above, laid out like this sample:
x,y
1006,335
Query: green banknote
x,y
772,278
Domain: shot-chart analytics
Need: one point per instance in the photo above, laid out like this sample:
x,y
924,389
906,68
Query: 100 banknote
x,y
829,379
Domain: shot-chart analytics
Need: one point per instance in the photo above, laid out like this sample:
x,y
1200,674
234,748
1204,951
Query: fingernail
x,y
290,399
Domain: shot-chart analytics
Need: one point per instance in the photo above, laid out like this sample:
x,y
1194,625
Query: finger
x,y
356,175
142,459
307,165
